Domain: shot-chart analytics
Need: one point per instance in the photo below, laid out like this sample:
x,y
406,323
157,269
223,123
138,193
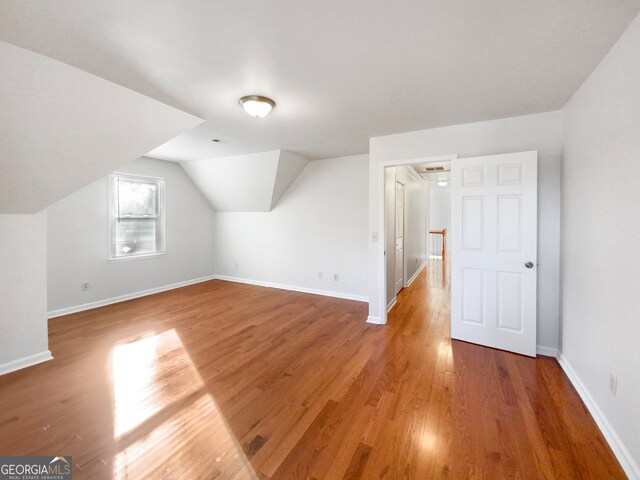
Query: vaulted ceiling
x,y
62,128
341,71
245,183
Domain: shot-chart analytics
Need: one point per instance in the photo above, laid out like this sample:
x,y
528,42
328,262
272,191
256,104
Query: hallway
x,y
485,413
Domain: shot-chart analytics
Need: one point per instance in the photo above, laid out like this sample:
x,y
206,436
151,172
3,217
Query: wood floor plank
x,y
232,381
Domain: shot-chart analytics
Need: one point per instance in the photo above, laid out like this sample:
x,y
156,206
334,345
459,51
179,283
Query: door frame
x,y
382,267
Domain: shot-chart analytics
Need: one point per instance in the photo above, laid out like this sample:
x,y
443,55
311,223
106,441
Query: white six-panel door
x,y
493,270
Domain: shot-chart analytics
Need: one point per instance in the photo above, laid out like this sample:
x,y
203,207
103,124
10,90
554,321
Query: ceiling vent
x,y
433,169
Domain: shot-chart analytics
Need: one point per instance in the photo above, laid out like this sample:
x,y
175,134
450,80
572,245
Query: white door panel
x,y
494,228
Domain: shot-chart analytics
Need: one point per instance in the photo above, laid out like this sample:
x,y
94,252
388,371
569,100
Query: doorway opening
x,y
409,218
438,177
493,246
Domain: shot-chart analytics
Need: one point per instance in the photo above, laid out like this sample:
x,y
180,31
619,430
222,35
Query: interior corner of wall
x,y
289,166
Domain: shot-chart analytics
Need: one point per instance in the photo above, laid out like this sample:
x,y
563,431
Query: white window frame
x,y
113,216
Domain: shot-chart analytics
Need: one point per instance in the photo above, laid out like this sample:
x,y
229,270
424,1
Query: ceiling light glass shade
x,y
442,183
256,105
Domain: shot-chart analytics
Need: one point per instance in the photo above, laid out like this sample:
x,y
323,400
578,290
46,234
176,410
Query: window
x,y
137,216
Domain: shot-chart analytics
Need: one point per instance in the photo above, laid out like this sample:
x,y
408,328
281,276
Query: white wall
x,y
439,216
540,132
601,239
415,224
78,241
23,300
319,225
415,243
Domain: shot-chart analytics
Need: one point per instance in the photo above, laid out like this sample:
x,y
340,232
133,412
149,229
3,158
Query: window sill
x,y
142,256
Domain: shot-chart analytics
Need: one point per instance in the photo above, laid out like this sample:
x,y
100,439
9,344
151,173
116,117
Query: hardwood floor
x,y
225,380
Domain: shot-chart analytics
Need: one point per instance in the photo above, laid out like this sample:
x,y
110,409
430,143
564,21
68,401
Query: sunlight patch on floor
x,y
428,441
444,348
194,443
148,374
165,424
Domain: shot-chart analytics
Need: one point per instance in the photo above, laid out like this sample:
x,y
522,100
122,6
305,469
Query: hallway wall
x,y
415,208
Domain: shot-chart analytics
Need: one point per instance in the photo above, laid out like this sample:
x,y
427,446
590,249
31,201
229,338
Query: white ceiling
x,y
341,71
433,177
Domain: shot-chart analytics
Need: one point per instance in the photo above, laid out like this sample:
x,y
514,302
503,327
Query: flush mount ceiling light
x,y
442,183
257,105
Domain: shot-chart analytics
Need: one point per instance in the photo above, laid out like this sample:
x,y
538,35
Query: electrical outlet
x,y
84,286
613,384
319,275
236,266
336,277
362,280
416,261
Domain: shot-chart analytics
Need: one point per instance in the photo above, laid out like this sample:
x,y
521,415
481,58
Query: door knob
x,y
529,264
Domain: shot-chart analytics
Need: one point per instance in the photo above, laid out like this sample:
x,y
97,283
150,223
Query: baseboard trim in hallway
x,y
392,304
415,275
627,463
547,351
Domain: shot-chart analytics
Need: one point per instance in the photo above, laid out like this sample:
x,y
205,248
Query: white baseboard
x,y
547,351
619,450
415,275
25,362
293,288
392,304
151,291
123,298
374,320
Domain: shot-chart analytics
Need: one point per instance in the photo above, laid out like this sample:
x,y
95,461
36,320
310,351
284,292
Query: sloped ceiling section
x,y
289,167
62,128
246,183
